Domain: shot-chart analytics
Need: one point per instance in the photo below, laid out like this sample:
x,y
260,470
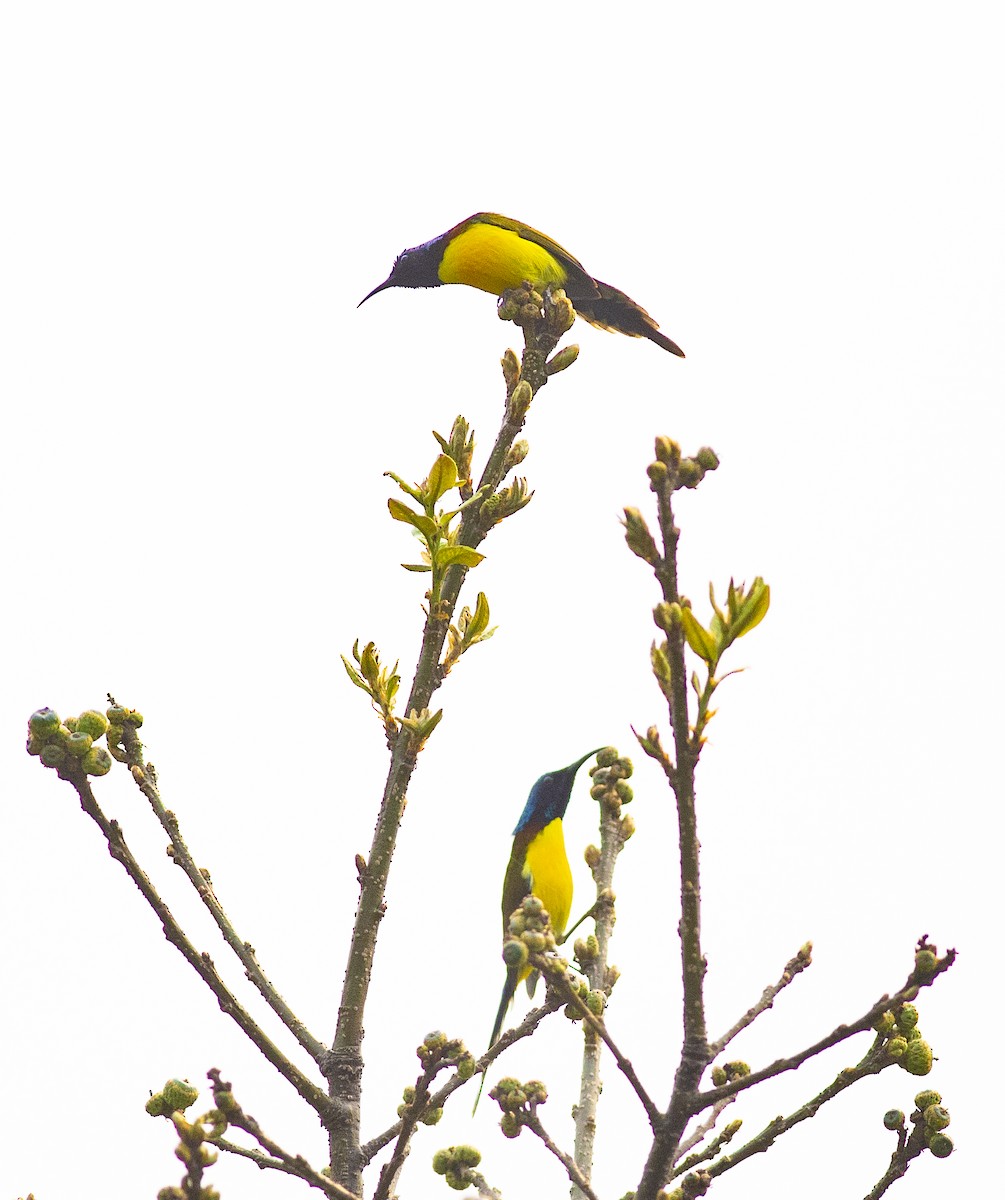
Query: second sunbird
x,y
539,866
495,253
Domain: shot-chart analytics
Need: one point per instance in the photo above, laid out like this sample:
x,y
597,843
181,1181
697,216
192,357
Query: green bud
x,y
43,723
514,952
562,360
925,963
907,1018
927,1098
93,723
97,761
718,1077
595,1002
508,307
535,942
432,1116
624,790
657,473
34,745
896,1047
640,541
517,453
78,744
936,1117
689,473
667,451
592,856
918,1058
510,367
893,1119
519,401
885,1023
510,1125
441,1161
179,1094
465,1067
53,755
155,1106
707,459
627,827
941,1145
533,906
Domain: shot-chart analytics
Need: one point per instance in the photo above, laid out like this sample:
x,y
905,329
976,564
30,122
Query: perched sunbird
x,y
495,253
538,865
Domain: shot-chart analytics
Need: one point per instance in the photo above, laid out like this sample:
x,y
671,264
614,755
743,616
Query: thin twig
x,y
799,962
874,1061
295,1164
571,996
202,963
266,1163
908,1149
146,780
909,990
699,1133
532,1122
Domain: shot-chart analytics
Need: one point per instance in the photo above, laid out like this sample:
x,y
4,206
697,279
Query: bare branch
x,y
799,962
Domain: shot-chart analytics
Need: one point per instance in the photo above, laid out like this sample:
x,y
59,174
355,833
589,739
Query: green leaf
x,y
479,618
401,512
753,609
698,638
442,478
464,556
354,675
417,567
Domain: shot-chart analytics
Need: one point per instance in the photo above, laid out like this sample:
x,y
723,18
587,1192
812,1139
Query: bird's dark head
x,y
549,797
415,268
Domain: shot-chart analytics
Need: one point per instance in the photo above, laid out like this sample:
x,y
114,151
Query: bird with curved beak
x,y
538,865
495,253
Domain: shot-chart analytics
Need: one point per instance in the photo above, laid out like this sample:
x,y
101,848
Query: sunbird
x,y
538,865
495,253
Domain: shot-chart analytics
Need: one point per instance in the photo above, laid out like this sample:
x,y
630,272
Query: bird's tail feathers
x,y
614,310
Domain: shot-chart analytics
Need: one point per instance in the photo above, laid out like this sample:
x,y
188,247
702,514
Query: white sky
x,y
193,517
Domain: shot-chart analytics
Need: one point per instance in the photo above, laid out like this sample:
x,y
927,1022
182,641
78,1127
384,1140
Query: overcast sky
x,y
197,424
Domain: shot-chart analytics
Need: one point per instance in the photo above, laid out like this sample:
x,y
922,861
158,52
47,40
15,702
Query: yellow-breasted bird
x,y
538,865
495,253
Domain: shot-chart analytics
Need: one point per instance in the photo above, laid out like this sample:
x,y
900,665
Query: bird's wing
x,y
580,284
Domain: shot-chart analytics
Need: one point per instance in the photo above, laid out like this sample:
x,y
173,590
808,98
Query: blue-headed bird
x,y
495,253
538,865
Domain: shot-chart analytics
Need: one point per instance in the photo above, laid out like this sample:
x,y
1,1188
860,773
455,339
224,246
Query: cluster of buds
x,y
427,1115
671,467
525,304
904,1043
610,784
71,747
729,1072
594,999
456,1164
438,1051
931,1116
175,1096
530,932
695,1184
518,1102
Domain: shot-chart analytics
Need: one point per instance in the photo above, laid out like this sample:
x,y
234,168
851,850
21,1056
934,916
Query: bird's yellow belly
x,y
551,878
494,259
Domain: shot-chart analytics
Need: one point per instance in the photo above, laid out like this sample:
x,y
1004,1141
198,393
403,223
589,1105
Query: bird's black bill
x,y
379,288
